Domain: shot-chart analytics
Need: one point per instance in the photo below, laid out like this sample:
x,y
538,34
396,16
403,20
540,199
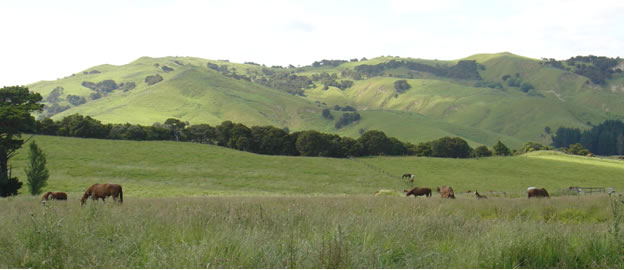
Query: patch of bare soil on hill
x,y
556,94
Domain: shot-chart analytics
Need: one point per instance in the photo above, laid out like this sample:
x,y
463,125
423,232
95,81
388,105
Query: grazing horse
x,y
408,175
477,195
417,191
61,196
101,191
537,193
446,192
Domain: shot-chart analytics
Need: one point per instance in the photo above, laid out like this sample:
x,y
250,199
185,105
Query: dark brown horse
x,y
418,192
101,191
537,193
61,196
477,195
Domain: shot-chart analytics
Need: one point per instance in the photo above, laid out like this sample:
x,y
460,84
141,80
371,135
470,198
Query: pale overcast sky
x,y
46,40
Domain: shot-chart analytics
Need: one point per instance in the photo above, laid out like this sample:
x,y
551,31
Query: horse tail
x,y
121,195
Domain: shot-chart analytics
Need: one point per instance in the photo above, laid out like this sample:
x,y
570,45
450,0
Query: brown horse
x,y
61,196
418,192
101,191
446,192
537,193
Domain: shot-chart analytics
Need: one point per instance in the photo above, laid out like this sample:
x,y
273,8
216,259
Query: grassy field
x,y
314,232
189,205
158,169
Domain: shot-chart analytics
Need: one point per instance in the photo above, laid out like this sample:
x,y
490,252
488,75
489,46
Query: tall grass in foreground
x,y
313,232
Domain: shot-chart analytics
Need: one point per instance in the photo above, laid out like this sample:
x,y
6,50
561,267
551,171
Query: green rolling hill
x,y
206,91
166,169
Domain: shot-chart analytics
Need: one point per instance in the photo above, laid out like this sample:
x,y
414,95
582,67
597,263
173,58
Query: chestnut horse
x,y
446,192
101,191
418,192
61,196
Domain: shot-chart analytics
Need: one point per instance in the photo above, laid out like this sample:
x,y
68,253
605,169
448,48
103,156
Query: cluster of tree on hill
x,y
604,139
286,81
525,87
107,86
401,86
100,89
597,68
465,69
330,80
53,100
346,118
350,73
325,63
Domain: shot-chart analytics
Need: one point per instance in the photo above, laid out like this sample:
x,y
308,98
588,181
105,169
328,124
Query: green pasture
x,y
175,169
301,231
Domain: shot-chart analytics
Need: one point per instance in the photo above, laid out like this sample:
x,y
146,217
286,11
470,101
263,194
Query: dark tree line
x,y
325,63
597,68
465,69
267,140
604,139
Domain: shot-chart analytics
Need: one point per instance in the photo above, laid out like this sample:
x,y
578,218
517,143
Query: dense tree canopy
x,y
266,140
16,105
451,147
603,139
501,149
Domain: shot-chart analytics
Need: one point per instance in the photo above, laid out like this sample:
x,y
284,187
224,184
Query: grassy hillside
x,y
192,91
163,169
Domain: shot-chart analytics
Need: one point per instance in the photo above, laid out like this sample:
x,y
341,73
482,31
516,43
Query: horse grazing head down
x,y
446,192
101,191
418,191
61,196
537,193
